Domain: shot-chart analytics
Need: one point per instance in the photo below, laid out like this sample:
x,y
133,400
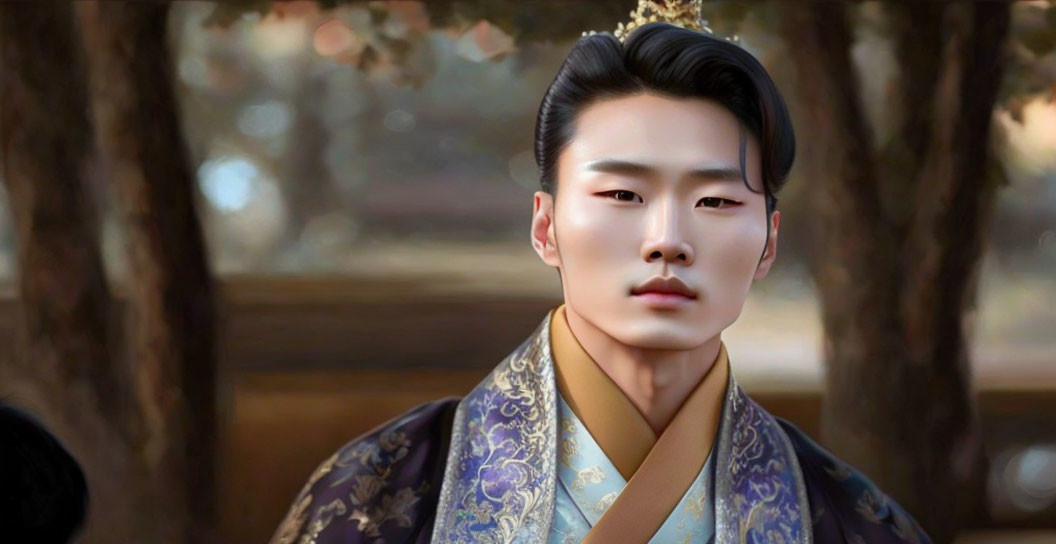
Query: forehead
x,y
676,133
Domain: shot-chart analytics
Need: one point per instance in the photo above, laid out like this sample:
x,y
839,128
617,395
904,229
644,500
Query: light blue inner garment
x,y
588,483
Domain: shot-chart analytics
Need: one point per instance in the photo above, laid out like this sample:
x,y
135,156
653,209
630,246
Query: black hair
x,y
43,494
668,60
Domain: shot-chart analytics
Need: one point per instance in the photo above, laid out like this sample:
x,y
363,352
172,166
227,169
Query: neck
x,y
656,381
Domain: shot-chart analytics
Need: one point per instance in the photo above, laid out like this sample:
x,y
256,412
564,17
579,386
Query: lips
x,y
669,285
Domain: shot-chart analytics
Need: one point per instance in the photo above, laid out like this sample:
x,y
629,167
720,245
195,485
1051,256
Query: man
x,y
618,420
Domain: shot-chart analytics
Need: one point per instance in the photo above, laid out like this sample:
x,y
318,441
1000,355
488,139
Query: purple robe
x,y
482,469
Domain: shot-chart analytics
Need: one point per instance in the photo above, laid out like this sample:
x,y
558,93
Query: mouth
x,y
663,296
664,289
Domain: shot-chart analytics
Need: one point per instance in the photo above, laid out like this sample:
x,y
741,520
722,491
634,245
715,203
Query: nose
x,y
665,240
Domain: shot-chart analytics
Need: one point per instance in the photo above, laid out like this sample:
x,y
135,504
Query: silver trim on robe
x,y
501,467
760,496
501,473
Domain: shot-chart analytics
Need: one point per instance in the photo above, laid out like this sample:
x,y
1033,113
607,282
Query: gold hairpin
x,y
683,13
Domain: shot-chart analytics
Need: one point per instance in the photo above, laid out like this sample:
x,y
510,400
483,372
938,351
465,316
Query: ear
x,y
543,239
770,253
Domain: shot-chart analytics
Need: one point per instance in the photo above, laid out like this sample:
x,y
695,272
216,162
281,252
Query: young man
x,y
619,420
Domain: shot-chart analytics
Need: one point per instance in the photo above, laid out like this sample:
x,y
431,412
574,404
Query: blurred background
x,y
235,236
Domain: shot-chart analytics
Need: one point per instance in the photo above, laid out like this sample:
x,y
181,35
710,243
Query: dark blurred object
x,y
44,497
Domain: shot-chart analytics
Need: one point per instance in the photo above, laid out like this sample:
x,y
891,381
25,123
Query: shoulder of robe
x,y
381,487
845,505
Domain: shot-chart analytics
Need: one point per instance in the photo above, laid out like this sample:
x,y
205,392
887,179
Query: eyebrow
x,y
707,173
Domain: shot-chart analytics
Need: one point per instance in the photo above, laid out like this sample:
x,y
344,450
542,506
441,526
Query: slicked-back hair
x,y
667,60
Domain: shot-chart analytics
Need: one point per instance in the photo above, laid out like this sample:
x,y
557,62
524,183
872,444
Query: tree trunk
x,y
66,372
899,243
171,296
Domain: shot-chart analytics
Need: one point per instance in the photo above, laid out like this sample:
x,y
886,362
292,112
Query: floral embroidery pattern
x,y
839,472
322,518
587,476
291,526
393,507
605,502
698,503
862,512
500,476
872,506
365,466
295,519
569,449
759,492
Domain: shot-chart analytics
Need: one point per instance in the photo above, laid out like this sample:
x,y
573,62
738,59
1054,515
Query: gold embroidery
x,y
291,525
698,504
904,527
323,516
367,465
587,476
759,513
871,505
568,450
365,488
363,453
775,537
605,502
293,522
482,512
506,430
839,472
368,454
393,440
393,507
759,488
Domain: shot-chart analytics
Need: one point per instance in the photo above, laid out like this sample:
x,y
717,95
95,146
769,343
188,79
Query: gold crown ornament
x,y
683,13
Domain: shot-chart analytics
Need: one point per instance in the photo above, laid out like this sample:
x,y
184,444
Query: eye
x,y
717,202
622,195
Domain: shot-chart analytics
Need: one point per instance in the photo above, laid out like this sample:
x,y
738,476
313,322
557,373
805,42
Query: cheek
x,y
593,236
734,251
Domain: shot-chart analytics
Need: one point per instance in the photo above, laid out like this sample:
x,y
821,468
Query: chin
x,y
662,336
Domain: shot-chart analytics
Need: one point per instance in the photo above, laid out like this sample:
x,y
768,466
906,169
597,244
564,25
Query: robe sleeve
x,y
381,487
846,507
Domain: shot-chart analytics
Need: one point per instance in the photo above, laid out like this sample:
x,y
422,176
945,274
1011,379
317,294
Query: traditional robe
x,y
486,469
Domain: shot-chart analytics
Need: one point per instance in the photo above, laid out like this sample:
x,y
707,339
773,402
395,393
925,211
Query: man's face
x,y
650,187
